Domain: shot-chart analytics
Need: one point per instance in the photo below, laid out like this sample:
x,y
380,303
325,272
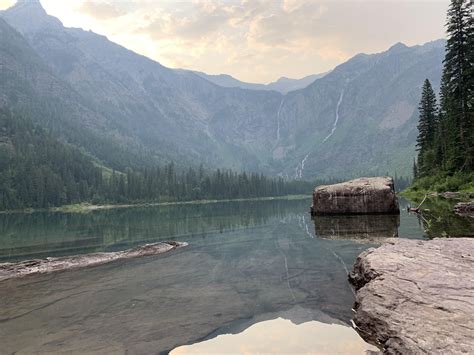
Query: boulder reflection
x,y
363,228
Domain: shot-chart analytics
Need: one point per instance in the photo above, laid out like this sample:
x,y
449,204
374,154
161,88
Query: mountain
x,y
29,86
285,85
36,170
228,81
358,119
282,85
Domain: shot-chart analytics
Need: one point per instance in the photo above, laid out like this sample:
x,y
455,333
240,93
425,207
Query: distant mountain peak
x,y
29,2
397,47
33,4
29,16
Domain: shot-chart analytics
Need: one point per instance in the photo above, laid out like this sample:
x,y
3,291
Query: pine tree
x,y
470,88
458,81
415,169
442,132
426,128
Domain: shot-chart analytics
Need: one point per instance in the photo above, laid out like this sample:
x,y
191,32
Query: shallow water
x,y
247,262
438,220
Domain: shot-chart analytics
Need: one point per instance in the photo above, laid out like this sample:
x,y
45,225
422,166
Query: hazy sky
x,y
255,40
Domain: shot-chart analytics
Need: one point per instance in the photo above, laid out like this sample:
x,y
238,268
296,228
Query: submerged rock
x,y
42,266
416,297
360,196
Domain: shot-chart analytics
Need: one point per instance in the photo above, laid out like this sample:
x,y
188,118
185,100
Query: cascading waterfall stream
x,y
300,167
278,118
337,117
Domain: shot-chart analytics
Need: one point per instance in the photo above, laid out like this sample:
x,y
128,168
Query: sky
x,y
255,40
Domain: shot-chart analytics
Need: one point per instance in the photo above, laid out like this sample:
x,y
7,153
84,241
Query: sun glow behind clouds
x,y
254,40
6,3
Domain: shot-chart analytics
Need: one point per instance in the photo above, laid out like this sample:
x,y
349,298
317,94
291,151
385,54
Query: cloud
x,y
235,33
257,40
192,21
101,10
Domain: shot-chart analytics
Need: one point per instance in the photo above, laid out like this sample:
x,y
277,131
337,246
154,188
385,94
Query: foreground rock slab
x,y
360,196
42,266
416,297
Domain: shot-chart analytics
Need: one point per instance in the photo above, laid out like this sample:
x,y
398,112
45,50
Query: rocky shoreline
x,y
416,296
43,266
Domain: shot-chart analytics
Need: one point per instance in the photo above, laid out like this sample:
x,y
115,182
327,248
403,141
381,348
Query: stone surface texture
x,y
42,266
416,297
359,196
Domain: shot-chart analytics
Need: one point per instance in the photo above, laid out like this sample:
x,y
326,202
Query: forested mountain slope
x,y
358,119
29,86
36,170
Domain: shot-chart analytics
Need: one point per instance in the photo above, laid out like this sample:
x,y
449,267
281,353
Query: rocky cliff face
x,y
359,117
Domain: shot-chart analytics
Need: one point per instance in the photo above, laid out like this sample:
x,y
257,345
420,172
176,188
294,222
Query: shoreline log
x,y
63,263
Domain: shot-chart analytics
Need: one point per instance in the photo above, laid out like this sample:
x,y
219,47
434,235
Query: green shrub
x,y
463,182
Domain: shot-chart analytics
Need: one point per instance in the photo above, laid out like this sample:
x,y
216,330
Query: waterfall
x,y
337,117
300,167
278,118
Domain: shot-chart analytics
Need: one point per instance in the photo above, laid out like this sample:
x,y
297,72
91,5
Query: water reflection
x,y
365,228
26,236
152,304
281,336
247,262
437,219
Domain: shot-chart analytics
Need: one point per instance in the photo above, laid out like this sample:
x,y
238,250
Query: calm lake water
x,y
247,263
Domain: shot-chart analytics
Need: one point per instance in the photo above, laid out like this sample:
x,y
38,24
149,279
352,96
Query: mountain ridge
x,y
358,119
282,85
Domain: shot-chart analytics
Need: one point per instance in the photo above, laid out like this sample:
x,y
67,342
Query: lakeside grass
x,y
462,183
86,207
417,195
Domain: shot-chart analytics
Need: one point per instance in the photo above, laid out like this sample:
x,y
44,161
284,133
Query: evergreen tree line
x,y
37,171
167,184
401,182
445,132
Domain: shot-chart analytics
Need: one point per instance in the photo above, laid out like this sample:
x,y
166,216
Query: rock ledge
x,y
416,297
42,266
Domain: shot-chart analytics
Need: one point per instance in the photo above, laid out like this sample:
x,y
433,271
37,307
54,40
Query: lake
x,y
249,266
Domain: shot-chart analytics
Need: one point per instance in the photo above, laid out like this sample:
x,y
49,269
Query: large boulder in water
x,y
360,196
